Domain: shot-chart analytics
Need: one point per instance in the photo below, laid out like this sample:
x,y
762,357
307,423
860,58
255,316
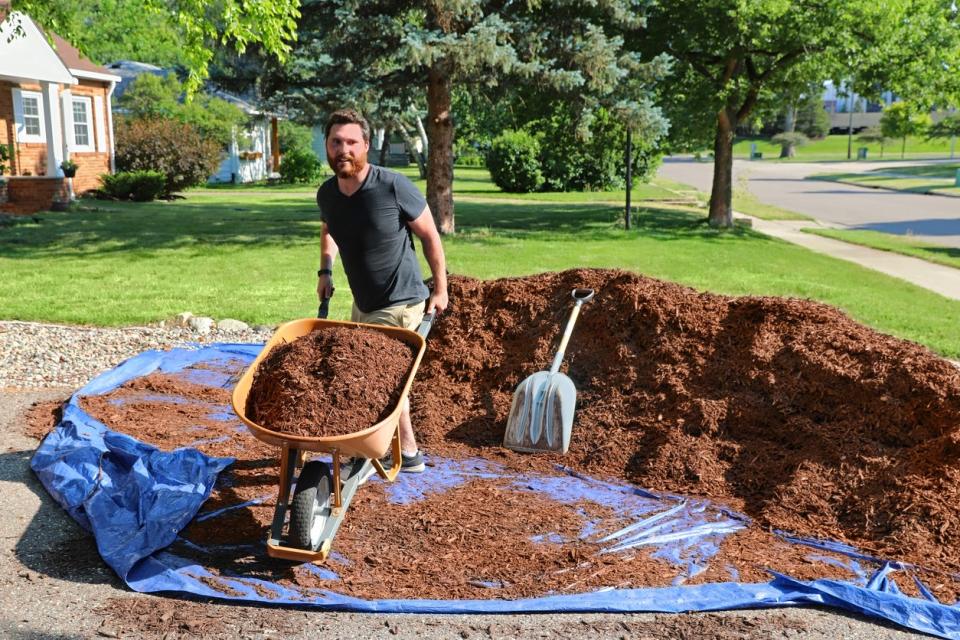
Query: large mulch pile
x,y
786,410
330,382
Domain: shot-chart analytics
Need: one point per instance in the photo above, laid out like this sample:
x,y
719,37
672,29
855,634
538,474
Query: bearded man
x,y
370,215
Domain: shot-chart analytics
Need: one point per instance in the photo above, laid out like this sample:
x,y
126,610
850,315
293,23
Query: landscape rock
x,y
229,325
201,324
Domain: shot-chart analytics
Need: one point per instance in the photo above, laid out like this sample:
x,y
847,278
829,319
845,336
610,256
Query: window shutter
x,y
66,107
100,124
18,115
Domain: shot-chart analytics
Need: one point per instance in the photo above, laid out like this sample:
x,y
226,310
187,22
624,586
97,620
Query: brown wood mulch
x,y
786,410
329,382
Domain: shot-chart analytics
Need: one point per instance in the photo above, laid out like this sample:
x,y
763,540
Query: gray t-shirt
x,y
376,245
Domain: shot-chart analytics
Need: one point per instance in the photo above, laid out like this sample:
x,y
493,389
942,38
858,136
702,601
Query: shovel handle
x,y
426,324
580,296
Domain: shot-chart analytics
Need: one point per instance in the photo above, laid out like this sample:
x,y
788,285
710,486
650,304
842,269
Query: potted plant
x,y
69,168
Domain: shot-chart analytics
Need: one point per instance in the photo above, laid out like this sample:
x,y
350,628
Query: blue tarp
x,y
135,499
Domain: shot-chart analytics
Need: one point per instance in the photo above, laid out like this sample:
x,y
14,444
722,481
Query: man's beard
x,y
349,169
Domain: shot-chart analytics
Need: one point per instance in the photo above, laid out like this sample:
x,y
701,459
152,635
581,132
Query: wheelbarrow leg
x,y
289,459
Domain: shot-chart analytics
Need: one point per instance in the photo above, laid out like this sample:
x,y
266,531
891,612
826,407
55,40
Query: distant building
x,y
846,109
54,106
249,156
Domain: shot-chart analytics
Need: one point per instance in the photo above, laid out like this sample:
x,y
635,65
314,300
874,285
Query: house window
x,y
31,115
28,113
82,134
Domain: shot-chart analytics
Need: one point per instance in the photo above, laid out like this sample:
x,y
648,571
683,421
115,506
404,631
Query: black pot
x,y
69,173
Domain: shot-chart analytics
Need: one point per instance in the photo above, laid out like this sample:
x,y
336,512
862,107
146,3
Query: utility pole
x,y
850,126
629,159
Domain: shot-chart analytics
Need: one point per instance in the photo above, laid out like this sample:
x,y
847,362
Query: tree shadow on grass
x,y
578,222
99,228
103,228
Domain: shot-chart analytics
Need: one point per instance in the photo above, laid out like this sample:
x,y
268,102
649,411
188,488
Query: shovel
x,y
541,416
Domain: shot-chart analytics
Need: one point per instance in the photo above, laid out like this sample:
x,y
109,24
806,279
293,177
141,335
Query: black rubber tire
x,y
314,488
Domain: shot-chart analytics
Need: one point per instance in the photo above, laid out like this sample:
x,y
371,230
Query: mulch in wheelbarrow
x,y
786,410
330,382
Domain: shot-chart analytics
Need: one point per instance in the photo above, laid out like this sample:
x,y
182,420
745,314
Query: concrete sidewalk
x,y
938,278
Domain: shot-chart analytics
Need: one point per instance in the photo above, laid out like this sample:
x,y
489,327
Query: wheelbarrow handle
x,y
426,324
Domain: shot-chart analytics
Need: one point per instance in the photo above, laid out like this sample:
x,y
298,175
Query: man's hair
x,y
348,116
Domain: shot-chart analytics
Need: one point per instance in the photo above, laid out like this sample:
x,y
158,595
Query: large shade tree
x,y
734,55
201,27
386,56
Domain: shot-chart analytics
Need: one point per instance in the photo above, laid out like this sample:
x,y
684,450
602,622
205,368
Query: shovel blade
x,y
541,416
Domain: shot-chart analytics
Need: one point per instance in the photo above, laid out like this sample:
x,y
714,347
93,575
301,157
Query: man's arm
x,y
328,254
426,230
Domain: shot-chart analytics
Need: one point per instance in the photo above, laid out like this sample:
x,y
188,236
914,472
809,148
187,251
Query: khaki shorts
x,y
407,316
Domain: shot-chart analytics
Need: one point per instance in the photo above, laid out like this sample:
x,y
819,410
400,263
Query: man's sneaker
x,y
408,464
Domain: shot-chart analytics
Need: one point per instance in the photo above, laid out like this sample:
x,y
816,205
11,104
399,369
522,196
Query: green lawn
x,y
948,256
745,202
938,179
253,257
834,147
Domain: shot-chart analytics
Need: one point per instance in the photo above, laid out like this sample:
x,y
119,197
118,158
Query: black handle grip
x,y
324,309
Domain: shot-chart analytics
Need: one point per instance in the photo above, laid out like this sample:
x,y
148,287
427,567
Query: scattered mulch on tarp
x,y
42,417
787,410
329,382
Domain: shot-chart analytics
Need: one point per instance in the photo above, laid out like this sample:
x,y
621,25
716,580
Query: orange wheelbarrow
x,y
323,493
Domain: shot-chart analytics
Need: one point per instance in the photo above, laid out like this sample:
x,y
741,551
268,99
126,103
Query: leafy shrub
x,y
174,149
513,161
300,166
293,136
154,97
589,156
141,186
469,160
812,119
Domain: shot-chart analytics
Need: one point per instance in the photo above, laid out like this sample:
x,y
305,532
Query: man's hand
x,y
324,287
438,302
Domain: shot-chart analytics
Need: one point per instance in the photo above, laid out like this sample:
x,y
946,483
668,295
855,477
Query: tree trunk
x,y
424,142
412,147
788,151
440,148
385,147
790,119
721,195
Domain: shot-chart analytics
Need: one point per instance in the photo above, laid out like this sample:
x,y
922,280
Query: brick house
x,y
54,105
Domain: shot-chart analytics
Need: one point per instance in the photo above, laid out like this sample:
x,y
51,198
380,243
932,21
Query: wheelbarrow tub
x,y
368,441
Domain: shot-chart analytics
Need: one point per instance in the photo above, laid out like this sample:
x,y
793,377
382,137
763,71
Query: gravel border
x,y
35,355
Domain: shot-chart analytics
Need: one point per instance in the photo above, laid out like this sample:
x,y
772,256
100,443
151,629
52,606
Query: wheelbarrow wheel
x,y
311,505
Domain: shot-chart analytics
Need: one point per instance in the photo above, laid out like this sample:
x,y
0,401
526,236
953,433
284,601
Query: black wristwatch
x,y
324,272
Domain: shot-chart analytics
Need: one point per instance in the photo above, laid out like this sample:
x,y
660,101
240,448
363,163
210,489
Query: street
x,y
931,218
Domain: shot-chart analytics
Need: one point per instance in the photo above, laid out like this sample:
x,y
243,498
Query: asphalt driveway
x,y
931,218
